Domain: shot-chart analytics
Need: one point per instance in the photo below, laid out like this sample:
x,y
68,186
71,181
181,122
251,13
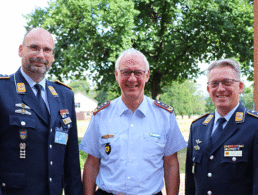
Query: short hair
x,y
226,62
132,51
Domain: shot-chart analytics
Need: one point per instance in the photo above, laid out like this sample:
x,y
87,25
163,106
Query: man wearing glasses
x,y
222,152
38,134
132,141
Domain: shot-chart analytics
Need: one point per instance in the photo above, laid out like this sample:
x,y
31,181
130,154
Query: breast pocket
x,y
110,148
235,168
22,129
153,145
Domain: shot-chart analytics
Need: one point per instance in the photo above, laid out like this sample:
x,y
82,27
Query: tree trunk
x,y
155,84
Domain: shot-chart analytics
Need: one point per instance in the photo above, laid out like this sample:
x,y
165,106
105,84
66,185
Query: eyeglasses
x,y
137,73
36,49
224,82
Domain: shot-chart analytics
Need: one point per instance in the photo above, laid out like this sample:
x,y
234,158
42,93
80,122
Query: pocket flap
x,y
22,122
13,180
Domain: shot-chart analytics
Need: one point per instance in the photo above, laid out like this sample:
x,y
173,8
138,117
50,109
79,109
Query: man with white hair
x,y
132,141
222,151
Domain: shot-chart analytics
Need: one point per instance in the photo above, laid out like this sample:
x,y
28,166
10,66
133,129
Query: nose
x,y
40,53
221,87
132,77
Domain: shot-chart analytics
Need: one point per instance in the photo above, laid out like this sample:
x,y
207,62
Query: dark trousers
x,y
102,192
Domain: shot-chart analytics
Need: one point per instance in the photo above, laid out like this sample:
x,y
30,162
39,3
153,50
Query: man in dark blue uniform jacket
x,y
38,142
222,153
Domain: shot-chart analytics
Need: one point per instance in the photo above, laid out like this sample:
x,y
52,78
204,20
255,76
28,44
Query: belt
x,y
102,192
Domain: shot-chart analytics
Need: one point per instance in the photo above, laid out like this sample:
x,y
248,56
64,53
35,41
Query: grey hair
x,y
132,51
226,62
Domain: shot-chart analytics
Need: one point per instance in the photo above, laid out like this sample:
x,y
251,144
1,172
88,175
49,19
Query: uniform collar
x,y
227,116
140,111
31,82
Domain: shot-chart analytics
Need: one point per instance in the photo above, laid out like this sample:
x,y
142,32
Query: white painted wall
x,y
86,103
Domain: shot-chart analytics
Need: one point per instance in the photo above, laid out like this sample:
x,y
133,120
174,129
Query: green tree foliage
x,y
82,86
185,98
173,34
247,97
209,106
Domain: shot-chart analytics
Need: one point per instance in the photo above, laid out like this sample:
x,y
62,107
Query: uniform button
x,y
132,125
23,123
50,179
50,146
51,163
68,126
209,174
3,185
51,130
130,160
234,159
209,192
128,177
211,157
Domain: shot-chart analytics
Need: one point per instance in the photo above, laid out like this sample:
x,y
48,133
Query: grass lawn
x,y
184,125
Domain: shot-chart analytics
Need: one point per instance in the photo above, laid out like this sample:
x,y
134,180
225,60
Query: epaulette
x,y
3,76
164,106
101,106
63,84
252,113
200,117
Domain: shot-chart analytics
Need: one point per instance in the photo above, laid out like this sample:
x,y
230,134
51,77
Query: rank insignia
x,y
21,88
22,105
2,76
53,91
208,119
22,111
107,136
164,106
102,106
107,148
239,117
23,134
155,135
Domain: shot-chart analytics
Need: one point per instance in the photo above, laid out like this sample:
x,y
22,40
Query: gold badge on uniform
x,y
53,91
107,148
239,116
208,119
107,136
21,88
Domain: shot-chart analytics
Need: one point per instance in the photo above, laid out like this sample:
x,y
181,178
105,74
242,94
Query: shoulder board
x,y
102,106
252,113
164,106
2,76
63,84
200,117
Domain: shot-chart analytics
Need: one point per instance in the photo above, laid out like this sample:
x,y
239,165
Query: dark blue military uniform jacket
x,y
230,167
48,167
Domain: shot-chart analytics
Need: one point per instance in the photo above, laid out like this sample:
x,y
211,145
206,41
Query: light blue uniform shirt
x,y
227,117
42,83
141,140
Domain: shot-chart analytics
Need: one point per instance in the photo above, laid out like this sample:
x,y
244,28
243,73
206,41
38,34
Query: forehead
x,y
40,37
226,72
134,61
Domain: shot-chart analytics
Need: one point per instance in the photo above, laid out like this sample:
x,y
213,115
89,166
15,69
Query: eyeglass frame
x,y
133,71
231,82
36,51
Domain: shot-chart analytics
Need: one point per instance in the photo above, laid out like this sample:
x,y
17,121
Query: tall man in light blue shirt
x,y
132,141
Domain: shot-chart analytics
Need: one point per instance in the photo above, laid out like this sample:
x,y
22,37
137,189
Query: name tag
x,y
233,153
61,136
